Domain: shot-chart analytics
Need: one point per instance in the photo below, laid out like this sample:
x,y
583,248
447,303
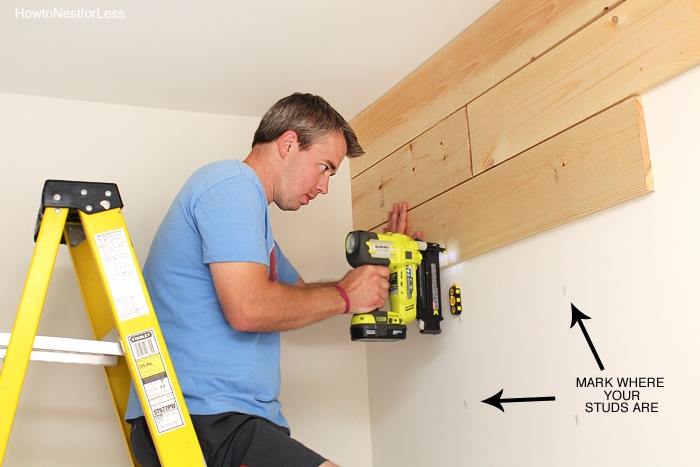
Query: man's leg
x,y
142,444
233,440
259,442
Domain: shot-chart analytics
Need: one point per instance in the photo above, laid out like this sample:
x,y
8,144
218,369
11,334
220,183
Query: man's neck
x,y
260,160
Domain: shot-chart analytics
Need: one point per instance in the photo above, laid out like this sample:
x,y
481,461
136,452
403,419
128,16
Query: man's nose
x,y
322,186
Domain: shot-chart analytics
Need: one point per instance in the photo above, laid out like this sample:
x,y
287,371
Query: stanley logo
x,y
140,336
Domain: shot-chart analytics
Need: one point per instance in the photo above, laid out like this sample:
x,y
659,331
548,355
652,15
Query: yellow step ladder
x,y
87,217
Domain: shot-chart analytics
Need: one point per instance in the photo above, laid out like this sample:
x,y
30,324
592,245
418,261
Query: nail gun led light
x,y
350,243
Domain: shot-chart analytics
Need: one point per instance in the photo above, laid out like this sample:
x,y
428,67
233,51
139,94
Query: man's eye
x,y
324,168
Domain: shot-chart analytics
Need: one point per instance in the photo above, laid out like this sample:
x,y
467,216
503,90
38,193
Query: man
x,y
223,290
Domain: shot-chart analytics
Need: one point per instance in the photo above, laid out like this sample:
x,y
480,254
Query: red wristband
x,y
345,297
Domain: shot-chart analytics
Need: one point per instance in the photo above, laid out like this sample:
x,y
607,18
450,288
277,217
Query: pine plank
x,y
596,164
629,50
505,39
429,165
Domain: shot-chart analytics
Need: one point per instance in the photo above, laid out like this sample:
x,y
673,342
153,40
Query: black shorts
x,y
232,440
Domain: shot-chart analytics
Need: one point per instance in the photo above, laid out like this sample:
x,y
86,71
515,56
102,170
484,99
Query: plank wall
x,y
524,122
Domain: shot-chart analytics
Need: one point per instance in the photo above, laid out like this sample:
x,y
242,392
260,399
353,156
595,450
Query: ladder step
x,y
67,350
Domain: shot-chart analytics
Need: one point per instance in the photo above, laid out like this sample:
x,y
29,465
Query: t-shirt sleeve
x,y
285,271
232,223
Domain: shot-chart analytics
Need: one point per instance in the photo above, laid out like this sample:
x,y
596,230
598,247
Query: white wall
x,y
65,416
633,269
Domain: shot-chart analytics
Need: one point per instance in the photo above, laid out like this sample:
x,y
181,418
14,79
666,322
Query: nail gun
x,y
414,290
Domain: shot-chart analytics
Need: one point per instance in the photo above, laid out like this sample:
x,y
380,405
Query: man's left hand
x,y
398,221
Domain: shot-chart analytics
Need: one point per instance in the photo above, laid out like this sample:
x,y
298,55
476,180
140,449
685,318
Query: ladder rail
x,y
14,367
98,309
112,251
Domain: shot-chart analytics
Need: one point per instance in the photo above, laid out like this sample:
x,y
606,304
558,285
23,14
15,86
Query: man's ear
x,y
288,143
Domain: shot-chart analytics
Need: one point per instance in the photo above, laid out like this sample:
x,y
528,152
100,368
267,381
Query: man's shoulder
x,y
215,173
220,170
223,181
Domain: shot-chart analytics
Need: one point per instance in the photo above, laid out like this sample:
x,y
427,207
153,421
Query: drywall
x,y
65,416
633,269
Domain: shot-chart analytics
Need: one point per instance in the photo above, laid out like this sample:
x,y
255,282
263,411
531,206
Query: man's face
x,y
308,171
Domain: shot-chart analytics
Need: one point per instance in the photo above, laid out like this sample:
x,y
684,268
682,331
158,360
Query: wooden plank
x,y
506,38
597,164
631,49
429,165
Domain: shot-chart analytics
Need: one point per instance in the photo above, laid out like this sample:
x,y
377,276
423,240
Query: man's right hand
x,y
367,288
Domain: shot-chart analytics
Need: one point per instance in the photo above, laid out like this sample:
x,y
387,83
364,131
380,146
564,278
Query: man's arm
x,y
253,303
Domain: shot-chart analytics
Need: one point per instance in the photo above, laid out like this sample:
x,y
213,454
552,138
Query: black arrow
x,y
496,400
578,317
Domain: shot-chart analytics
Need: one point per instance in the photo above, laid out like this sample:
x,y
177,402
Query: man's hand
x,y
367,288
398,221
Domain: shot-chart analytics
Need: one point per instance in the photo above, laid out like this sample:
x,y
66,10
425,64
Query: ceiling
x,y
230,57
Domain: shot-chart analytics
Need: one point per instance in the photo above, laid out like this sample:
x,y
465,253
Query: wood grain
x,y
429,165
599,163
506,38
628,51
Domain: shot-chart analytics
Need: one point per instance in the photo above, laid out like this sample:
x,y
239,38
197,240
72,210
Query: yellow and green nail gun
x,y
414,290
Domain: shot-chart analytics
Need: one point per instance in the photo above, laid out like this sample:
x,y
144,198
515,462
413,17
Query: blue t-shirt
x,y
219,215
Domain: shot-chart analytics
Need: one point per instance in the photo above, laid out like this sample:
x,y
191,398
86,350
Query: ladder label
x,y
155,381
122,275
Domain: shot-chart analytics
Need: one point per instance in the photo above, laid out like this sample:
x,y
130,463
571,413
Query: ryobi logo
x,y
380,249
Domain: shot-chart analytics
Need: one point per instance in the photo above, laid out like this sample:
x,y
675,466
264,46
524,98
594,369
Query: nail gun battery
x,y
377,326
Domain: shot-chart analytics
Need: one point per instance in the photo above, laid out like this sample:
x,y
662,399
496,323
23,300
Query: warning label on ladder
x,y
122,276
156,383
